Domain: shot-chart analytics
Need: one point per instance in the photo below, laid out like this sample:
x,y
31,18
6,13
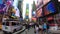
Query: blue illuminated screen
x,y
49,8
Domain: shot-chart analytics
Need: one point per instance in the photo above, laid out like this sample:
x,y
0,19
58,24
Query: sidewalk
x,y
55,31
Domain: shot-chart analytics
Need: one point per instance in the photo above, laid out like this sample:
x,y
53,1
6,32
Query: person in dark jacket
x,y
35,26
48,28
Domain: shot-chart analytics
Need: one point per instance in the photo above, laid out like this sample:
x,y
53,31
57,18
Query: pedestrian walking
x,y
48,28
40,29
37,28
26,27
44,28
30,25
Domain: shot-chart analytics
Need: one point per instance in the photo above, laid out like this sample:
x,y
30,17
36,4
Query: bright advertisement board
x,y
2,8
1,1
39,12
49,8
34,19
41,3
33,13
27,11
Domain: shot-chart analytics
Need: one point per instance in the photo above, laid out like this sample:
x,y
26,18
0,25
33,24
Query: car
x,y
11,26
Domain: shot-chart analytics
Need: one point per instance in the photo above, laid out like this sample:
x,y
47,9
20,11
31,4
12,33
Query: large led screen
x,y
1,8
49,8
1,1
39,12
33,19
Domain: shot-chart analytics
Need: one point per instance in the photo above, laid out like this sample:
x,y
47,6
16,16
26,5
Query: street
x,y
31,31
1,32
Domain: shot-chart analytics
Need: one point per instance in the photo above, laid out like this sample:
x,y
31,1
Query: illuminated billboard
x,y
34,19
39,12
1,1
49,8
27,8
27,11
33,13
1,8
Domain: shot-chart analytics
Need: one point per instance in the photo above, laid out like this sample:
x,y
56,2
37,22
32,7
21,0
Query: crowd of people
x,y
38,28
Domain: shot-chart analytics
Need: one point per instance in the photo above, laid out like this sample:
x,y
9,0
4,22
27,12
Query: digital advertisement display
x,y
1,8
34,19
33,13
39,12
1,1
27,11
49,8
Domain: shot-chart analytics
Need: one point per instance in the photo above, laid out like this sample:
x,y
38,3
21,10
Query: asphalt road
x,y
31,31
